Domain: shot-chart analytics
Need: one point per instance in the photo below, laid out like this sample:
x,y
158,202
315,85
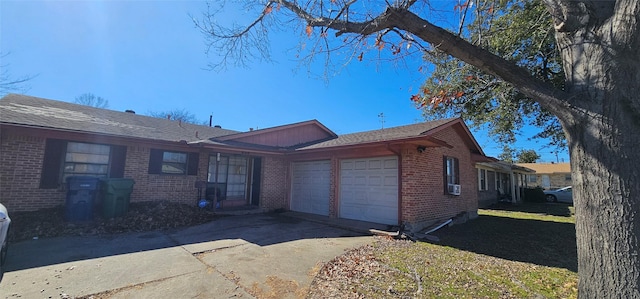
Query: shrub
x,y
534,195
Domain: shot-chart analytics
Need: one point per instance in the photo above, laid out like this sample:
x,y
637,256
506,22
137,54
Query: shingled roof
x,y
389,134
550,168
28,111
31,111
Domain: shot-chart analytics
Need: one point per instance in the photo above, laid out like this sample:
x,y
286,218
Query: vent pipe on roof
x,y
210,119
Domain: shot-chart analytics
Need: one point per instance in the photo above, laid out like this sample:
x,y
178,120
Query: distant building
x,y
500,181
549,175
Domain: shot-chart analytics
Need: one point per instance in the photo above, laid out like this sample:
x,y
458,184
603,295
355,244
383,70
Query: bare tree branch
x,y
8,83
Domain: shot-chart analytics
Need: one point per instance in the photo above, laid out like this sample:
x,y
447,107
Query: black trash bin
x,y
116,194
81,194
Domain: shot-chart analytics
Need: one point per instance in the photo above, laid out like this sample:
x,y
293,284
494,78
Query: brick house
x,y
415,174
549,175
500,181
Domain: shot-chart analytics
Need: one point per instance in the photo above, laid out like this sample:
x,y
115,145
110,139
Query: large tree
x,y
597,104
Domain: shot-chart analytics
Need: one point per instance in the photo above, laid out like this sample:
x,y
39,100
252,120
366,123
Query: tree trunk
x,y
605,172
602,65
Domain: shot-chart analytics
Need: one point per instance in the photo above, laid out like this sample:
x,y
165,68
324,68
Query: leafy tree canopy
x,y
521,32
527,156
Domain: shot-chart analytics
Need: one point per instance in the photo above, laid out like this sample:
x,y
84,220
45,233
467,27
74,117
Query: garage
x,y
369,189
310,187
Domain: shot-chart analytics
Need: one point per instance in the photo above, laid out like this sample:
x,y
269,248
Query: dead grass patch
x,y
502,254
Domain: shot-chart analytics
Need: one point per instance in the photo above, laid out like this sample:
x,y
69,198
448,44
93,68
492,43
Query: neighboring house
x,y
415,174
500,181
549,175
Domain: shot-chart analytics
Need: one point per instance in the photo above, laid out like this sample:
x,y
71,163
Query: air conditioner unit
x,y
454,189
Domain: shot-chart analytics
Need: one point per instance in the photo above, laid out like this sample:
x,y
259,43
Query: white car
x,y
560,195
4,229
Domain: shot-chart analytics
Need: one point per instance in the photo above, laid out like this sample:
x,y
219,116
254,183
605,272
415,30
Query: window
x,y
567,177
532,178
170,162
68,158
174,163
451,171
482,179
86,159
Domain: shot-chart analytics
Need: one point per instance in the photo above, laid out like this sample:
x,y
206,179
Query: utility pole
x,y
381,117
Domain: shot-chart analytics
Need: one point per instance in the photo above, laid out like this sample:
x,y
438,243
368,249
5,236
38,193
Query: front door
x,y
546,183
227,179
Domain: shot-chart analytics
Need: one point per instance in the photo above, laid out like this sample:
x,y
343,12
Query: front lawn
x,y
526,251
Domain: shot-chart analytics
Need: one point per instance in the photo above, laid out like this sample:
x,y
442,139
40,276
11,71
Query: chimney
x,y
130,111
250,129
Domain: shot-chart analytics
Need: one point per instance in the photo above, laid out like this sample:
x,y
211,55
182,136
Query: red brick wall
x,y
151,187
274,190
423,198
20,169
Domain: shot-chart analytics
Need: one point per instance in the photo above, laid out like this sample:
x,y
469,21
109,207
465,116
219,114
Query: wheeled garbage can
x,y
116,194
81,194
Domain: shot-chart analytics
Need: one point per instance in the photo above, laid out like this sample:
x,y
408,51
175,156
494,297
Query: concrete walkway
x,y
245,256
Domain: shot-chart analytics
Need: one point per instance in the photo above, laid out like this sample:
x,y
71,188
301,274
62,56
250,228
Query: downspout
x,y
399,154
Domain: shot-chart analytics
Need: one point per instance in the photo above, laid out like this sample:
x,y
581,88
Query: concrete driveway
x,y
261,255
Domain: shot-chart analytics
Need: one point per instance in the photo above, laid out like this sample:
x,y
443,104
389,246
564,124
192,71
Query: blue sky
x,y
148,56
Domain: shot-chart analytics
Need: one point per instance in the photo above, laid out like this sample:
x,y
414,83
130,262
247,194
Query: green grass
x,y
526,251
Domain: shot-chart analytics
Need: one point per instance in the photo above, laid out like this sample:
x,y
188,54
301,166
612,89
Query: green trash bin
x,y
116,194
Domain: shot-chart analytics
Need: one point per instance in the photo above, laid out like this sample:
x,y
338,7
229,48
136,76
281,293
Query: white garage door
x,y
310,187
369,189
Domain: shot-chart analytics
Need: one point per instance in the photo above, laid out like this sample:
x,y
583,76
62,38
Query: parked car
x,y
4,229
559,195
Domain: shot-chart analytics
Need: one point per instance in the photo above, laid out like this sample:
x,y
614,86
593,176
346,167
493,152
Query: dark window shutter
x,y
155,161
52,164
192,166
118,158
456,164
444,174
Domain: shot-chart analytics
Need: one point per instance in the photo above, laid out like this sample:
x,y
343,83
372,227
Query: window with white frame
x,y
532,178
482,180
451,174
